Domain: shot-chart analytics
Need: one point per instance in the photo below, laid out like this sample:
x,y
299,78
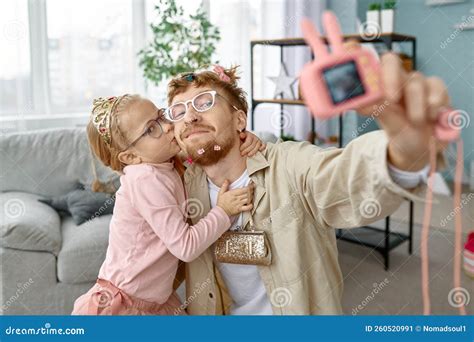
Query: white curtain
x,y
296,57
57,56
241,21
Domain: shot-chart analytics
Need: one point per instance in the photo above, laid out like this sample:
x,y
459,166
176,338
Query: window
x,y
58,55
90,51
15,67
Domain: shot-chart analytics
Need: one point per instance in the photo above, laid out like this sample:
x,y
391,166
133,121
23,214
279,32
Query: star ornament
x,y
284,84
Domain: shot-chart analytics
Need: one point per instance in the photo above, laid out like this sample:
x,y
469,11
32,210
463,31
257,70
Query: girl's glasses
x,y
154,129
201,103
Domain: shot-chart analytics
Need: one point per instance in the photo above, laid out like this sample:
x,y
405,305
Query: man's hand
x,y
408,112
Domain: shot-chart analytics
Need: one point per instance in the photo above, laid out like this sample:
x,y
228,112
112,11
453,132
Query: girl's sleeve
x,y
152,195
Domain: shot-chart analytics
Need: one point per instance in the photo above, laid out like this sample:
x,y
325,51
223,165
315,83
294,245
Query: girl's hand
x,y
235,201
251,144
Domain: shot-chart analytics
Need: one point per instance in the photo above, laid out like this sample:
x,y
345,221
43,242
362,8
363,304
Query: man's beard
x,y
210,155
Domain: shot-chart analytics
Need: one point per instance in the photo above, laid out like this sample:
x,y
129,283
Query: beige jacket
x,y
302,192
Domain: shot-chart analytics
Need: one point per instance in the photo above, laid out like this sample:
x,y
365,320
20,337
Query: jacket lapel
x,y
254,164
196,185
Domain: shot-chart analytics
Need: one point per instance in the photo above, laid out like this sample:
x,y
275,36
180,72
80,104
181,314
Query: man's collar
x,y
256,163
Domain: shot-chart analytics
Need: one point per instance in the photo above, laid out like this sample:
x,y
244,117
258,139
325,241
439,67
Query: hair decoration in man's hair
x,y
101,113
189,77
219,70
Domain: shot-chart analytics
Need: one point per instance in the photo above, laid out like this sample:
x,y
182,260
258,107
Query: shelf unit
x,y
383,240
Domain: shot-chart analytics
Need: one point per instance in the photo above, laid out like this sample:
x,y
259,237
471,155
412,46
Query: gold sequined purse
x,y
248,247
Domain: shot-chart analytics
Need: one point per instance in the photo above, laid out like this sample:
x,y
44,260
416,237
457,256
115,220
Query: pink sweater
x,y
149,233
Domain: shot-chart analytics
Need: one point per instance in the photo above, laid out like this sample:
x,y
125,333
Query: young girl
x,y
149,232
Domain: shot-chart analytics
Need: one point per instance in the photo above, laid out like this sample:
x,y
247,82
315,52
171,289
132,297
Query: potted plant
x,y
180,43
287,137
373,16
388,15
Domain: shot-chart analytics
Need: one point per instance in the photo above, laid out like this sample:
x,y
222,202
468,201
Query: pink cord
x,y
425,289
458,220
426,227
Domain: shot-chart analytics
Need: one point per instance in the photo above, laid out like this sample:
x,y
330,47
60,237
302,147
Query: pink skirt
x,y
104,298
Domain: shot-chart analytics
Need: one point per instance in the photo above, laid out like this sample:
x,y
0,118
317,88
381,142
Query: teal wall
x,y
452,61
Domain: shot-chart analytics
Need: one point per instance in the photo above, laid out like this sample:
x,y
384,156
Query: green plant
x,y
180,43
288,137
389,4
375,6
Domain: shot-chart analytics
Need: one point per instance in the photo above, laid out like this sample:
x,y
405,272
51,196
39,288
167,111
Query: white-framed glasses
x,y
201,103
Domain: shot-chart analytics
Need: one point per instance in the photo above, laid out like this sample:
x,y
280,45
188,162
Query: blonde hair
x,y
230,88
108,153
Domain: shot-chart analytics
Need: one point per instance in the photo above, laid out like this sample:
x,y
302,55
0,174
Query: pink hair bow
x,y
221,72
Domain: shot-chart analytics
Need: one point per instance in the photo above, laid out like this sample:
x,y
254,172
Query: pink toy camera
x,y
339,81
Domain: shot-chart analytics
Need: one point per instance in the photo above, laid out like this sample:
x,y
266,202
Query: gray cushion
x,y
82,204
83,249
48,162
28,224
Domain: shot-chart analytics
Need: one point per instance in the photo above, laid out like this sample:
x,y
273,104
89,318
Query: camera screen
x,y
344,82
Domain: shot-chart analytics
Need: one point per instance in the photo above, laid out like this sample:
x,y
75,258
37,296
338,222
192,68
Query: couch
x,y
47,261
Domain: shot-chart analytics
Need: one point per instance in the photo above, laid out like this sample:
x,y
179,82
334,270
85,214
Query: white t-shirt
x,y
243,281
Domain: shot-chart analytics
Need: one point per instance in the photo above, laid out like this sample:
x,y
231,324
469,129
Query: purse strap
x,y
252,225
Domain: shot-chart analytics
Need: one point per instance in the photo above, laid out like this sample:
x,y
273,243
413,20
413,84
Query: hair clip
x,y
217,148
201,151
189,77
221,72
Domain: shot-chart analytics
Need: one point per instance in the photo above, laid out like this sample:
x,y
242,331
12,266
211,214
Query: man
x,y
301,192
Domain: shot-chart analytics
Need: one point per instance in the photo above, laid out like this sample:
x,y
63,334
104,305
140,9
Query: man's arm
x,y
345,188
352,187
